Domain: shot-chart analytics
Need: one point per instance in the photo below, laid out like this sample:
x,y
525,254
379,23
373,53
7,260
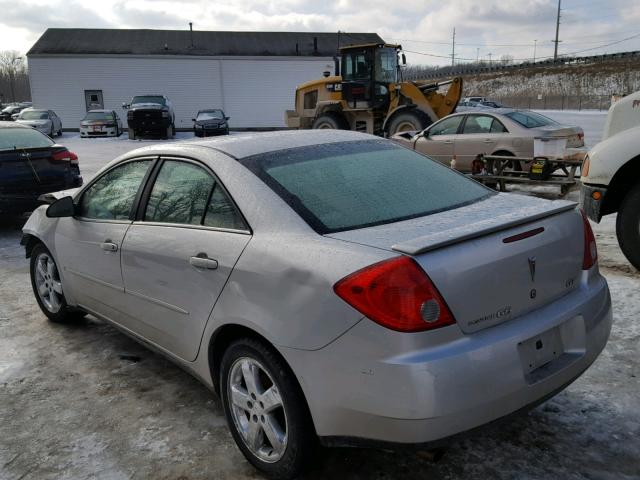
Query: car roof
x,y
30,109
242,146
13,125
99,110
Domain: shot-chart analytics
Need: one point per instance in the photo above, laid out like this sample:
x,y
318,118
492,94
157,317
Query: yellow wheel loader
x,y
370,96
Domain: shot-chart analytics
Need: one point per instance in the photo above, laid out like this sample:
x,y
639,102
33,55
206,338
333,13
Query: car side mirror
x,y
193,119
125,106
227,118
63,207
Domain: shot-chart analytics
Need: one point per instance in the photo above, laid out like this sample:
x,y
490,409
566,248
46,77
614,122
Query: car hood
x,y
147,106
97,122
33,122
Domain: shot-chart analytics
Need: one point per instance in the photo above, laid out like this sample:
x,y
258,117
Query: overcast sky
x,y
483,27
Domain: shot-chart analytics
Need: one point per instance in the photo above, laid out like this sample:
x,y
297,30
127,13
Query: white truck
x,y
611,175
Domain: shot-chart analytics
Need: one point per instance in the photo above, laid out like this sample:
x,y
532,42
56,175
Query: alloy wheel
x,y
48,284
257,409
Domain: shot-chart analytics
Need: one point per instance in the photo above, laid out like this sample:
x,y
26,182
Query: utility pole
x,y
489,54
478,55
556,41
535,44
453,48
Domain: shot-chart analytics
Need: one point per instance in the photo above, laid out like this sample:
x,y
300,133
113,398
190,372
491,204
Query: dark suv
x,y
150,115
32,164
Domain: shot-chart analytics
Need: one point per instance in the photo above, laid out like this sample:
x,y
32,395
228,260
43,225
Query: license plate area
x,y
553,350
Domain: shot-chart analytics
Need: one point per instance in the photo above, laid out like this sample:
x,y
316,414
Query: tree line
x,y
14,78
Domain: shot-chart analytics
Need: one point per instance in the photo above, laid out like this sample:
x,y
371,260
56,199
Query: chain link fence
x,y
557,102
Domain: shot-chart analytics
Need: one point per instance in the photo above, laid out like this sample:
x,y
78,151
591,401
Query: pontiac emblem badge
x,y
532,268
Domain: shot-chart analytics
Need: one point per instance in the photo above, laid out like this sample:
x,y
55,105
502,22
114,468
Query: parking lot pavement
x,y
85,401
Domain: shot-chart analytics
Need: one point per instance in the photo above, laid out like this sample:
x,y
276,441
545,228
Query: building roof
x,y
93,41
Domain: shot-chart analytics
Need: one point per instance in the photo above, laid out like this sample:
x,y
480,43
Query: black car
x,y
5,114
210,122
32,164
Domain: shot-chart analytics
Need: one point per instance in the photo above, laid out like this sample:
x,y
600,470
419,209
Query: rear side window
x,y
350,185
12,138
530,119
179,194
498,127
111,197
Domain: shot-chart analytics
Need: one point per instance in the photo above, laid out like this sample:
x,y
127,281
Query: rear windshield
x,y
530,119
33,115
98,116
12,138
350,185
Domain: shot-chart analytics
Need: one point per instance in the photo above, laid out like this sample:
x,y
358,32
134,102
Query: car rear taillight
x,y
397,294
65,156
590,249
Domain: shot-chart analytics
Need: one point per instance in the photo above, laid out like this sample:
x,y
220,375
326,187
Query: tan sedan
x,y
502,131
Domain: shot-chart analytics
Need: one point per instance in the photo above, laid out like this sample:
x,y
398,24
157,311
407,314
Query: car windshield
x,y
530,119
149,99
350,185
210,115
98,116
12,138
33,115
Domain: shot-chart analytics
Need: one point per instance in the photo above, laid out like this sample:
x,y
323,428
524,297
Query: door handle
x,y
448,141
109,246
488,141
203,262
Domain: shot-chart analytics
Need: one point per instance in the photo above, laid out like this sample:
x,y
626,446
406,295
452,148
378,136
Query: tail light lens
x,y
590,249
397,294
65,156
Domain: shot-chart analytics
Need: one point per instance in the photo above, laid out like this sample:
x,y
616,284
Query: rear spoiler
x,y
448,237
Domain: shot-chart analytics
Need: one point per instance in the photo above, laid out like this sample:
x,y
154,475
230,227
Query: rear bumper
x,y
592,207
104,132
458,383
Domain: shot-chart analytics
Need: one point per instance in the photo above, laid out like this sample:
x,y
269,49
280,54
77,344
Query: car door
x,y
88,245
177,256
480,134
438,140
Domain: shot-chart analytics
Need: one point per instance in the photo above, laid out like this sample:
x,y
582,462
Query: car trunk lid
x,y
32,169
493,260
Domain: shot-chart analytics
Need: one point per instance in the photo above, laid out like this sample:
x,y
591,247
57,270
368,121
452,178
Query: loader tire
x,y
331,120
407,121
628,226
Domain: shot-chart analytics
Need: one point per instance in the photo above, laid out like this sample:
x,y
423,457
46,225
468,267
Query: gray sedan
x,y
45,121
329,286
497,131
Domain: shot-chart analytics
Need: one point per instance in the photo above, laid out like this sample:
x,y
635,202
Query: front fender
x,y
608,156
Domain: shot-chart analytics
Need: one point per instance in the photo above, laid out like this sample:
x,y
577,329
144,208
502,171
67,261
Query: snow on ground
x,y
86,402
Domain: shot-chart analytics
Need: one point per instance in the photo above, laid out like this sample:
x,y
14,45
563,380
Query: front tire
x,y
330,120
407,121
628,226
47,287
265,409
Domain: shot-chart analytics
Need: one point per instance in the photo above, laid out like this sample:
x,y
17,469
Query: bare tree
x,y
14,81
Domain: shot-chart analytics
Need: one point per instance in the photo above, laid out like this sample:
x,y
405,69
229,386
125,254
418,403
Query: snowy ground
x,y
85,401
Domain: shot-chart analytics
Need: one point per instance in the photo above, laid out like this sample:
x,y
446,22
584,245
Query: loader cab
x,y
367,72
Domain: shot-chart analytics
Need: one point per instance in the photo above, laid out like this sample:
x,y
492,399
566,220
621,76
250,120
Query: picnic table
x,y
502,169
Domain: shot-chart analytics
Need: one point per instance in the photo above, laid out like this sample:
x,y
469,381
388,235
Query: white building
x,y
252,76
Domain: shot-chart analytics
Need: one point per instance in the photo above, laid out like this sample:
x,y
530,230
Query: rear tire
x,y
47,287
132,134
253,423
628,226
408,120
330,120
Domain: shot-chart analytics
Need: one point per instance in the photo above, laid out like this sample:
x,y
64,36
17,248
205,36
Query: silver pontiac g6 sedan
x,y
329,286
